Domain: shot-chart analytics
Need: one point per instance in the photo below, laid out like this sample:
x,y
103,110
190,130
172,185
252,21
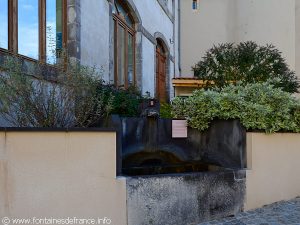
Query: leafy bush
x,y
73,99
258,106
165,111
125,102
246,62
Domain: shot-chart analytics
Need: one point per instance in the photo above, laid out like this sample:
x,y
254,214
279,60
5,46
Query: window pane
x,y
121,56
195,4
53,29
130,57
124,14
28,28
4,24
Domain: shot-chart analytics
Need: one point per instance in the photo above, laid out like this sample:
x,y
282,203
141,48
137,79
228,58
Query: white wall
x,y
148,75
201,29
176,39
259,22
95,34
95,43
297,10
154,19
219,21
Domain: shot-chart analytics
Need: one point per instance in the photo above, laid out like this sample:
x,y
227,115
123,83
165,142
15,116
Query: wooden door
x,y
161,93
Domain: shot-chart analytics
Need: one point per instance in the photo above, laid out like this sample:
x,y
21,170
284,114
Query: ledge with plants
x,y
259,94
258,106
77,97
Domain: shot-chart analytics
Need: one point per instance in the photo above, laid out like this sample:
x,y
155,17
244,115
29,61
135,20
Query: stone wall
x,y
184,198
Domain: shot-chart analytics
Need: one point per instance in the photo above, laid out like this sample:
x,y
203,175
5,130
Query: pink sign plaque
x,y
179,129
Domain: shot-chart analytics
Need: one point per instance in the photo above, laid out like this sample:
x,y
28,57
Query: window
x,y
124,42
54,30
4,24
195,5
35,29
28,28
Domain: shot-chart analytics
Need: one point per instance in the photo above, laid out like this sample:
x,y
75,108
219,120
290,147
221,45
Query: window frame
x,y
119,21
195,5
13,30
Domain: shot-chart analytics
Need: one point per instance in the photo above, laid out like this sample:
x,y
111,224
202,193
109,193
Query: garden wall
x,y
273,162
60,174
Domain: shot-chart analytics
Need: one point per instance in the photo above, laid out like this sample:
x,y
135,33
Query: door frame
x,y
160,41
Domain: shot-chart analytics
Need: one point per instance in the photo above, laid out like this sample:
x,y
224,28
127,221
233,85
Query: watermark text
x,y
60,221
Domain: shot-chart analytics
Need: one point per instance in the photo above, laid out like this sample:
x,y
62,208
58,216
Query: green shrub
x,y
125,102
165,111
72,100
246,62
258,106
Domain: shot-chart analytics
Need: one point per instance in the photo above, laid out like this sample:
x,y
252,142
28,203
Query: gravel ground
x,y
284,212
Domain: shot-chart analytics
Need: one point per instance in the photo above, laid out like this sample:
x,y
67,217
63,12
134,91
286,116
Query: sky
x,y
28,40
3,24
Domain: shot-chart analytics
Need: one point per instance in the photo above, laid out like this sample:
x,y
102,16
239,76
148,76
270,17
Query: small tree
x,y
75,98
248,63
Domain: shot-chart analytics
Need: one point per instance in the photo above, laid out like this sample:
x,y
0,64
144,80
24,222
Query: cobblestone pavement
x,y
285,212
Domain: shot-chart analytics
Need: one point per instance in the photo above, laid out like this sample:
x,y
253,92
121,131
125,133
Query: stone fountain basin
x,y
181,199
181,181
147,143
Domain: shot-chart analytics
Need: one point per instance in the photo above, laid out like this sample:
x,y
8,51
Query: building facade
x,y
137,42
205,23
144,31
132,42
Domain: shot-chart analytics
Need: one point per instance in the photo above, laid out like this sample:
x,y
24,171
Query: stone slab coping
x,y
50,129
